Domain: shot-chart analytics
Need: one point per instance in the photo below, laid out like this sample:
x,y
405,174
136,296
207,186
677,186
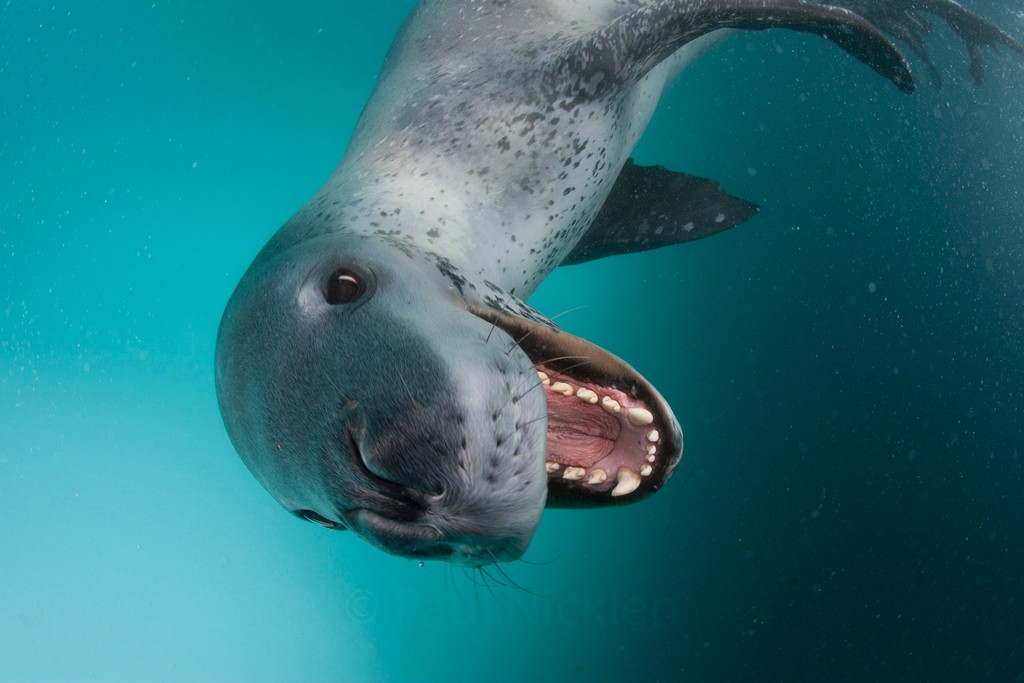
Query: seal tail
x,y
903,21
619,54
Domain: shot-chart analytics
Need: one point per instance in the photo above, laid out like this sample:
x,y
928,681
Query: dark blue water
x,y
848,368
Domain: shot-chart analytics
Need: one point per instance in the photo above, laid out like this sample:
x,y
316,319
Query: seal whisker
x,y
540,564
485,581
584,360
553,318
568,311
508,580
504,307
518,397
530,422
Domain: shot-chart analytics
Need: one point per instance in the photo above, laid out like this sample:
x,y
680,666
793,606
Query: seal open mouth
x,y
611,437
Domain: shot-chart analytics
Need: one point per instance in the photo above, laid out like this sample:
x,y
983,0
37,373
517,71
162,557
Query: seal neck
x,y
487,240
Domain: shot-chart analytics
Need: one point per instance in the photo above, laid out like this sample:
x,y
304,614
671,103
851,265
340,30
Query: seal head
x,y
368,386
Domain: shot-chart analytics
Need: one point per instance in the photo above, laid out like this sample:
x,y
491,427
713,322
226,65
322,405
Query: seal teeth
x,y
573,473
627,481
653,436
646,470
610,404
552,467
562,388
543,376
639,417
597,477
586,395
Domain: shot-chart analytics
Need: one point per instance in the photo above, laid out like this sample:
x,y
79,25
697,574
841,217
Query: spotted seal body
x,y
378,368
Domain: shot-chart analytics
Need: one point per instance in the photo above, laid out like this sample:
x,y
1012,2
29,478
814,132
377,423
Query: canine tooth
x,y
610,404
544,379
597,477
627,482
653,436
573,473
561,388
638,417
651,458
646,470
552,467
587,395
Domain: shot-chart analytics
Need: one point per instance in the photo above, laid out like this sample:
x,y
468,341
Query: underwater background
x,y
848,368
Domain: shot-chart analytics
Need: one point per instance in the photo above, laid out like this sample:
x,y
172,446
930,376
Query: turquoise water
x,y
847,368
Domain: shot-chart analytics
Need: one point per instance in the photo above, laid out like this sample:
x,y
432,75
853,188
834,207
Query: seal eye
x,y
311,516
343,287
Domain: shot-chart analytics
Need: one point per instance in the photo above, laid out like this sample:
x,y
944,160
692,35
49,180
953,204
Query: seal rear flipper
x,y
651,207
615,57
903,21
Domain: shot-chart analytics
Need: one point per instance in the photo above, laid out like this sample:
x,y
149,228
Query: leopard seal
x,y
378,368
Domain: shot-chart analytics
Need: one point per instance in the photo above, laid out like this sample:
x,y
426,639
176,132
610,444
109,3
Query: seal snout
x,y
432,518
458,479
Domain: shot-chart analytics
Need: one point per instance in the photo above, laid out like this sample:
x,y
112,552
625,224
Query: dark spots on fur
x,y
446,268
434,233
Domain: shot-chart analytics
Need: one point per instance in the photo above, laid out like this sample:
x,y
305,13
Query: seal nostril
x,y
402,503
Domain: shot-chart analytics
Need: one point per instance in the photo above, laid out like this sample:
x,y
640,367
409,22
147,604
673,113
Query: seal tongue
x,y
578,438
611,437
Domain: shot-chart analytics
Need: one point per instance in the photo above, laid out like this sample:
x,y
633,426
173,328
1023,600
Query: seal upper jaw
x,y
612,438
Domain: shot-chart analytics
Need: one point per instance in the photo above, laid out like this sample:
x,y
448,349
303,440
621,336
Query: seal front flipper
x,y
651,207
903,21
617,56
